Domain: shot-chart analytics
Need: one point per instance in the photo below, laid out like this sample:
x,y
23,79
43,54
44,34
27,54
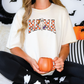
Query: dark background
x,y
5,17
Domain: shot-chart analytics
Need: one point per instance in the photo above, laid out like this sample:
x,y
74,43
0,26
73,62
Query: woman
x,y
40,29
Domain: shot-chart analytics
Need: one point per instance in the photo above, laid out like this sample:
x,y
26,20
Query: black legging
x,y
11,66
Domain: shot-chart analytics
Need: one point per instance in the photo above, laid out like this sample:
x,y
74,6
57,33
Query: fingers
x,y
55,59
37,70
36,67
60,69
59,64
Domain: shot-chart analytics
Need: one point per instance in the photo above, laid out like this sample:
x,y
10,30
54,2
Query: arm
x,y
59,61
68,36
64,52
19,52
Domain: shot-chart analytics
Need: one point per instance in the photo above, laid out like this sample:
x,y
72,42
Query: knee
x,y
2,56
1,53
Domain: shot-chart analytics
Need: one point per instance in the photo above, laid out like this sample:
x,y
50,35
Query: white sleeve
x,y
14,37
68,34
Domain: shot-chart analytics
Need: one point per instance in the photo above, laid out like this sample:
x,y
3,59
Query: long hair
x,y
28,10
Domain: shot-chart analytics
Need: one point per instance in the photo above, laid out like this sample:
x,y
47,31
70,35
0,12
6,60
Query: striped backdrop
x,y
77,52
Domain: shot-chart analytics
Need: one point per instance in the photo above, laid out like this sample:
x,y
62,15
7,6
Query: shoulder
x,y
59,9
20,12
18,16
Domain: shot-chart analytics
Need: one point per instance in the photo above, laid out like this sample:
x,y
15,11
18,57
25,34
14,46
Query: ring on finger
x,y
60,66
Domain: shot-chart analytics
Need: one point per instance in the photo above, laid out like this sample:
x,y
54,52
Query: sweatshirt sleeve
x,y
68,35
14,37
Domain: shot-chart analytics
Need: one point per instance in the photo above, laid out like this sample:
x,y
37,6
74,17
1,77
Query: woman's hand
x,y
59,61
19,52
35,66
59,64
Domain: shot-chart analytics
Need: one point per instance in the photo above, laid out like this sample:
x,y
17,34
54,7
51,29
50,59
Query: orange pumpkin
x,y
45,64
79,32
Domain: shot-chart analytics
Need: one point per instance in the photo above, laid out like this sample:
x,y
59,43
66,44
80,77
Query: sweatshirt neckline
x,y
43,10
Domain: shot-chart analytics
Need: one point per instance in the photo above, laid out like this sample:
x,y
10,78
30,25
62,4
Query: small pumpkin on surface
x,y
45,64
79,32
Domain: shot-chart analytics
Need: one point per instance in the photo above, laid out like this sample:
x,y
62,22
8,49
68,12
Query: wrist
x,y
63,58
28,59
